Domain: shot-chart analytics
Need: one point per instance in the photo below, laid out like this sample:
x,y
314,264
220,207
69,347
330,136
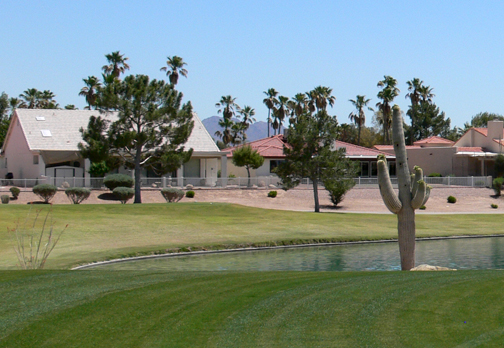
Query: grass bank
x,y
251,309
100,232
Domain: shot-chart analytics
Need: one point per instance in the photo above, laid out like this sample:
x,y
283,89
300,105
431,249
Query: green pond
x,y
465,253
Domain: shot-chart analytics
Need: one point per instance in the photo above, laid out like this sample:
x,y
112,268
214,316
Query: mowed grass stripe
x,y
251,309
100,232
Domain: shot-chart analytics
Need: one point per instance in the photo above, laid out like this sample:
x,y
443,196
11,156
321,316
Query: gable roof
x,y
58,130
434,140
391,147
355,151
271,147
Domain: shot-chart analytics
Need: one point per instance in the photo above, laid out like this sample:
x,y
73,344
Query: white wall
x,y
18,155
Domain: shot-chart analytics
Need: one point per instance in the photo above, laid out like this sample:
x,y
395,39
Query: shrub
x,y
124,194
423,207
77,194
452,199
338,188
15,191
272,194
190,194
172,194
497,185
495,206
434,175
45,191
5,199
118,180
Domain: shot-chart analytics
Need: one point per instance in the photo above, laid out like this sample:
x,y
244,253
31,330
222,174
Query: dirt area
x,y
364,200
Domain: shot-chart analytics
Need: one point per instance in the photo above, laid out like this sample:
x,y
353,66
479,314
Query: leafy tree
x,y
481,119
499,165
90,90
151,129
70,107
387,94
4,118
270,101
358,116
174,67
245,156
311,153
116,64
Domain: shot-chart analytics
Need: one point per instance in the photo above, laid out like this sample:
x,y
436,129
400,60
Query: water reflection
x,y
477,253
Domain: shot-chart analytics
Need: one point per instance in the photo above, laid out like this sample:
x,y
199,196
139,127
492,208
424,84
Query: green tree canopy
x,y
481,119
4,117
151,129
245,156
311,153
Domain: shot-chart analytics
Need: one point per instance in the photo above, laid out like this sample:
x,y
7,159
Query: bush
x,y
423,207
452,199
272,194
15,191
495,206
338,188
77,194
5,199
190,194
45,191
124,194
172,194
118,180
497,185
434,175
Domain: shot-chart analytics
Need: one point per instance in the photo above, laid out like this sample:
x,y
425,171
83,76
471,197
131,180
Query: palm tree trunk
x,y
269,117
358,136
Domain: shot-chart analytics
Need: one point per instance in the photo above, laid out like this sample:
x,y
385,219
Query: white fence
x,y
241,182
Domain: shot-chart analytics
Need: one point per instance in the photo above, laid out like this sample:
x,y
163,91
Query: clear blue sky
x,y
242,48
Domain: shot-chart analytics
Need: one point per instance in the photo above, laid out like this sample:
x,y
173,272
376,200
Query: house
x,y
272,150
472,155
43,143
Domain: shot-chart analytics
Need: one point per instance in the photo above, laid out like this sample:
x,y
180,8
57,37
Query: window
x,y
274,164
35,159
46,133
40,118
364,170
392,168
374,169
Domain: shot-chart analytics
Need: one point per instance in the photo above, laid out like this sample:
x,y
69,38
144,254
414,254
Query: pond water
x,y
467,253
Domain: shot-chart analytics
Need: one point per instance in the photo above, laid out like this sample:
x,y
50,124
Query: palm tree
x,y
320,97
358,116
247,114
270,103
47,100
387,95
174,67
31,98
225,134
414,87
228,107
426,94
117,64
89,91
15,103
279,113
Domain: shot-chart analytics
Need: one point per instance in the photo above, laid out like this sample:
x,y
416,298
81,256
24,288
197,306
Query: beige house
x,y
43,143
472,155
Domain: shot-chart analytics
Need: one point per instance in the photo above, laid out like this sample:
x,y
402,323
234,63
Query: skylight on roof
x,y
46,133
40,118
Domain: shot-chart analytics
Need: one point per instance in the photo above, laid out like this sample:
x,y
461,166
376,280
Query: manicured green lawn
x,y
254,309
99,232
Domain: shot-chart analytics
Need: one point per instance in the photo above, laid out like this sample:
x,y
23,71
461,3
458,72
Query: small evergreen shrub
x,y
118,180
15,191
272,194
124,194
434,175
190,194
497,185
5,199
452,199
172,194
77,194
338,188
45,191
494,206
423,207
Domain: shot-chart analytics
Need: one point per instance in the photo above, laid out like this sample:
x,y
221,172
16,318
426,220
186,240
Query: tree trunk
x,y
138,173
248,172
315,195
269,117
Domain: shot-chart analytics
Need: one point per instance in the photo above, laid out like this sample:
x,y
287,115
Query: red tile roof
x,y
391,147
433,140
355,150
470,149
271,147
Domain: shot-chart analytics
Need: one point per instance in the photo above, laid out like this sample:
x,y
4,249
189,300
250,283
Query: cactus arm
x,y
419,197
416,179
427,194
390,198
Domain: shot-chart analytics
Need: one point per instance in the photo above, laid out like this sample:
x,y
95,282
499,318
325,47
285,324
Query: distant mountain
x,y
257,130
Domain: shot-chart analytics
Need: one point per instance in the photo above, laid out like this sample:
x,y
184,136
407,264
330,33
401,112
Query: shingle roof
x,y
64,125
271,147
434,140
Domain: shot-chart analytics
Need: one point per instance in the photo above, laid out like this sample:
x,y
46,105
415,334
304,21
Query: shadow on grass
x,y
109,196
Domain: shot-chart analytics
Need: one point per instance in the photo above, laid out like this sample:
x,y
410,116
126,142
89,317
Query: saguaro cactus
x,y
413,192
